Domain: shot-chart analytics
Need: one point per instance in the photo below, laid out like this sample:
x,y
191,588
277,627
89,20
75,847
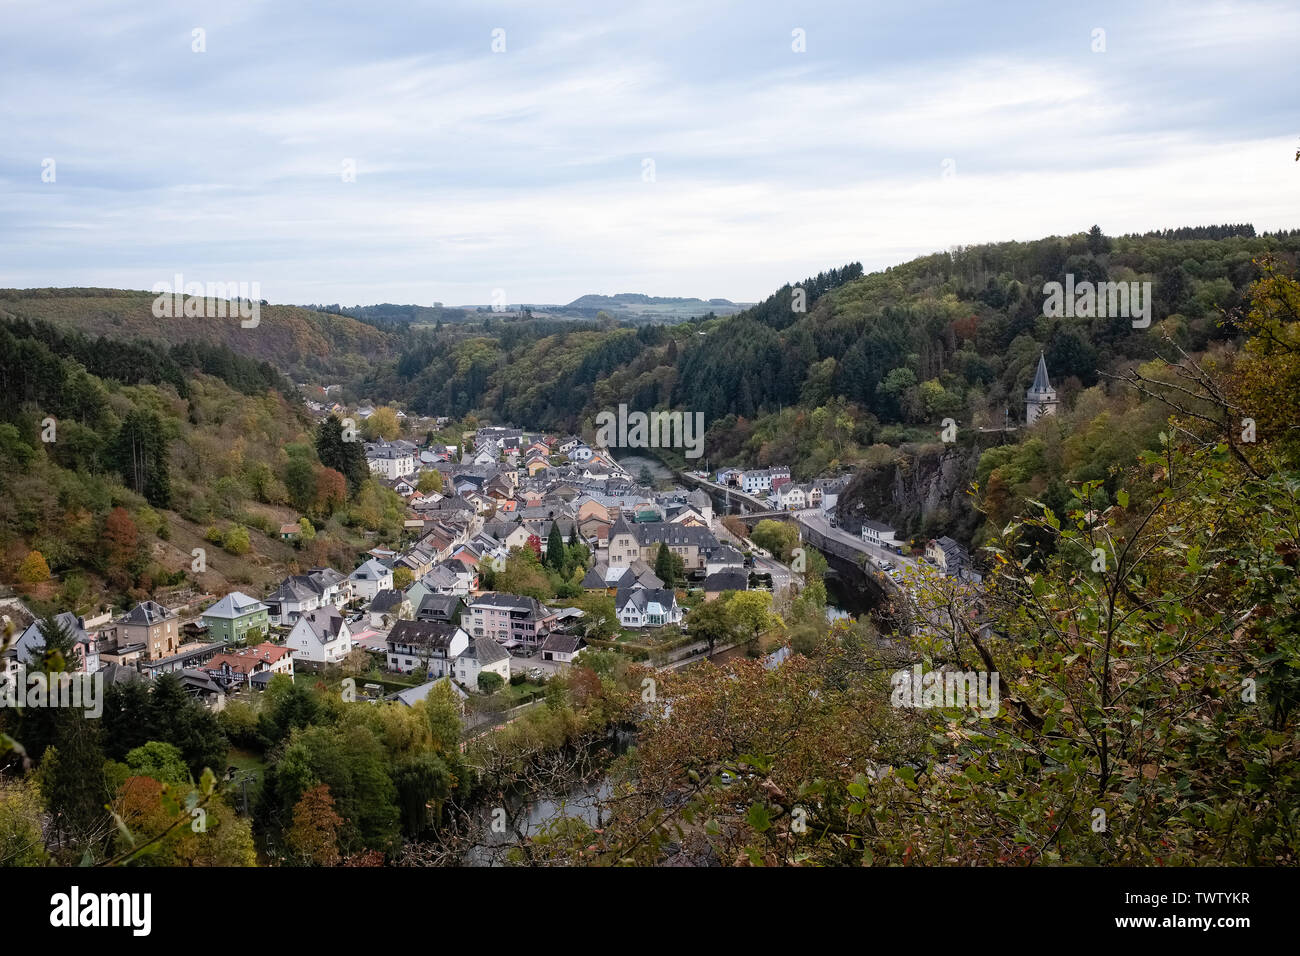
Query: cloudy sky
x,y
662,147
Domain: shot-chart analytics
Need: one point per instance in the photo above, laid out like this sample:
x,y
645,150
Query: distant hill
x,y
636,307
301,342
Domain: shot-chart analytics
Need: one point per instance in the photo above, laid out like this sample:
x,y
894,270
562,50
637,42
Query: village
x,y
403,620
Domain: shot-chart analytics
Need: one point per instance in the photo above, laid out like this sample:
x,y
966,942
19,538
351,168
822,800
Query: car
x,y
534,673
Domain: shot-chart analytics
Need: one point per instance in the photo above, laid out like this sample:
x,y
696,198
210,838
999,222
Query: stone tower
x,y
1040,399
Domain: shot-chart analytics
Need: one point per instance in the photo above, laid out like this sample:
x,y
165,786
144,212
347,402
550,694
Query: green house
x,y
231,618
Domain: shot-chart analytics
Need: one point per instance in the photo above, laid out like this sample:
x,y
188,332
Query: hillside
x,y
304,344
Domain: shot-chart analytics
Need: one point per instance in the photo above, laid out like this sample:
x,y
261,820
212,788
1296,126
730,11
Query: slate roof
x,y
233,605
436,635
485,651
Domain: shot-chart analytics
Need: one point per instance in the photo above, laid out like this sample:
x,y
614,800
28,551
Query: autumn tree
x,y
33,569
313,839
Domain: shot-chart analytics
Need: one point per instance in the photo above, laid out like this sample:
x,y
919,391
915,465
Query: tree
x,y
555,554
666,569
711,621
300,481
347,457
383,424
430,482
403,577
139,453
313,839
22,841
752,613
163,762
489,682
331,492
443,709
777,537
121,548
33,569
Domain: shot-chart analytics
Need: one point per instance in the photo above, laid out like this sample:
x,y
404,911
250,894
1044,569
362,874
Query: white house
x,y
392,460
370,578
647,607
433,644
320,636
753,482
580,453
562,648
791,497
482,654
724,558
878,533
307,592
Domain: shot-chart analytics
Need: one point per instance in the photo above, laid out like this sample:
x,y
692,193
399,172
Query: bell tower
x,y
1040,398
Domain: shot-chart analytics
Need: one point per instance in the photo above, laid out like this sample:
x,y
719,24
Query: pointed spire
x,y
1041,384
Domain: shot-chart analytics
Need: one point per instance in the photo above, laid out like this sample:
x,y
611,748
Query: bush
x,y
489,683
235,540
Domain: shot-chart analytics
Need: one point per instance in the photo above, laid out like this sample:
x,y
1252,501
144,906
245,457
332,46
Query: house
x,y
439,607
509,619
429,644
154,626
791,497
413,695
307,592
230,619
240,666
729,476
204,688
320,636
756,481
562,647
290,532
370,578
878,533
630,542
723,559
391,459
31,641
580,452
647,607
389,606
947,555
482,654
601,577
730,579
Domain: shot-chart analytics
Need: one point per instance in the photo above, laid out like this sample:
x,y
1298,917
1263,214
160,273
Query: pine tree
x,y
665,569
555,556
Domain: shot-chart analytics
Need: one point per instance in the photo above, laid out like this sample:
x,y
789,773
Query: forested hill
x,y
951,334
304,344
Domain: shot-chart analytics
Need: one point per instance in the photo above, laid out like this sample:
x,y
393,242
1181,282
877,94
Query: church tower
x,y
1040,399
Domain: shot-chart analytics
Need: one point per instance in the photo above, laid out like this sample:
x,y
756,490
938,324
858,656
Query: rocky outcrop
x,y
921,493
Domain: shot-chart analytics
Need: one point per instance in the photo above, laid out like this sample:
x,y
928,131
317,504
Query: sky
x,y
507,153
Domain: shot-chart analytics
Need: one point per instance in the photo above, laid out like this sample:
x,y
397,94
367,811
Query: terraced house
x,y
629,542
231,618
